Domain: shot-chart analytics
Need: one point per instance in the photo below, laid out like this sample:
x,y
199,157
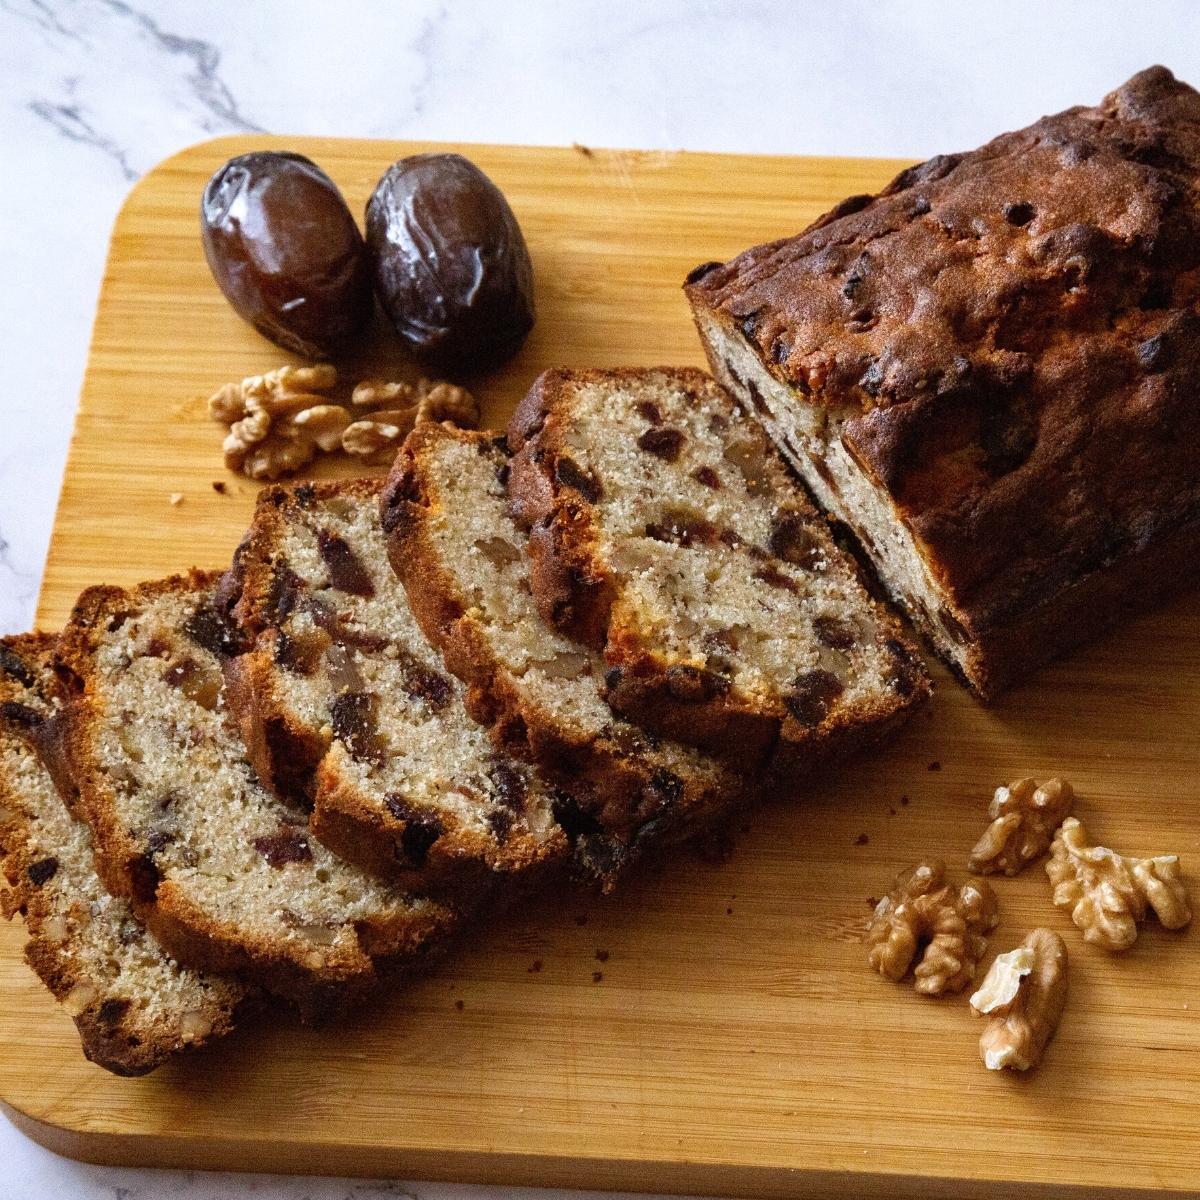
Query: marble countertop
x,y
95,92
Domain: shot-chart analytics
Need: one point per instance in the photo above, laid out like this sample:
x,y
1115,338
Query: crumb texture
x,y
134,1005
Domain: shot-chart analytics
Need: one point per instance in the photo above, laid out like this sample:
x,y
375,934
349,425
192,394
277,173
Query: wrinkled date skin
x,y
283,247
451,267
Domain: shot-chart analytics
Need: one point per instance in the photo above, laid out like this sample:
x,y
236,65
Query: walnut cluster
x,y
925,916
1023,995
279,421
1024,817
1109,894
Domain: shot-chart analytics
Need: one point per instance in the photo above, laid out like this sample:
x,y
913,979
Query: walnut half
x,y
1108,894
1024,994
922,913
1024,817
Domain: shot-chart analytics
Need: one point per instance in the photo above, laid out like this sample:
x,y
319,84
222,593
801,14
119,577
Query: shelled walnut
x,y
1024,817
1108,894
1024,994
280,420
924,915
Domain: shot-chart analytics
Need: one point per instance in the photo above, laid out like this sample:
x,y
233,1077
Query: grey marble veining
x,y
94,92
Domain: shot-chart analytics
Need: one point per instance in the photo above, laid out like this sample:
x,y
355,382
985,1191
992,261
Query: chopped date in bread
x,y
698,519
623,789
350,713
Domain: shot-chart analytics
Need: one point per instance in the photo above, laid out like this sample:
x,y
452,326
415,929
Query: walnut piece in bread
x,y
1109,894
1023,995
924,918
1024,815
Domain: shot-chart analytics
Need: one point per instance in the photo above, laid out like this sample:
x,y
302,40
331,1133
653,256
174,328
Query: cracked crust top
x,y
1015,330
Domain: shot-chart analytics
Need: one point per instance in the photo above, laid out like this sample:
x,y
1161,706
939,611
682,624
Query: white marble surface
x,y
94,92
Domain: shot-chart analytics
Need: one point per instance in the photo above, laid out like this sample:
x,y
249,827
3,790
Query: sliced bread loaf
x,y
462,559
667,531
346,708
222,872
133,1005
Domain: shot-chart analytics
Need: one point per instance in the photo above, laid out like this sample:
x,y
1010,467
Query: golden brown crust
x,y
42,867
1014,332
574,586
318,978
294,758
615,776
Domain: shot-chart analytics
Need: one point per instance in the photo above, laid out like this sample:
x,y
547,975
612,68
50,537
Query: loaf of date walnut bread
x,y
347,710
666,531
462,560
222,872
988,371
133,1005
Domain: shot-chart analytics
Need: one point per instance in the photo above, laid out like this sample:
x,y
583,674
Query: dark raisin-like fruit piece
x,y
906,670
283,847
756,398
199,682
694,685
42,870
708,477
570,474
346,571
14,668
793,540
953,626
500,822
305,495
812,694
871,380
301,653
666,785
285,589
21,716
352,715
834,632
212,631
111,1011
421,829
510,785
776,579
682,526
662,443
423,684
649,411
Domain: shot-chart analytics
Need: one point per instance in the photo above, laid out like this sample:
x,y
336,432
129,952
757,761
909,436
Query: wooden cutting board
x,y
712,1028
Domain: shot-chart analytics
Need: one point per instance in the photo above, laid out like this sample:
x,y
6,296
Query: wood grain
x,y
736,1042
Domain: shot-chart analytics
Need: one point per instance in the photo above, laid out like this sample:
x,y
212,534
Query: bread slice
x,y
666,531
461,557
222,872
988,372
347,709
133,1005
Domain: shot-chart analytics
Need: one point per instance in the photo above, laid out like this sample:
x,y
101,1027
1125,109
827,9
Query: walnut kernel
x,y
1024,817
1024,994
280,420
922,910
1108,894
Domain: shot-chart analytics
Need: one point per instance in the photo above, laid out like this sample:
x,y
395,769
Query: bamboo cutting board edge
x,y
637,214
